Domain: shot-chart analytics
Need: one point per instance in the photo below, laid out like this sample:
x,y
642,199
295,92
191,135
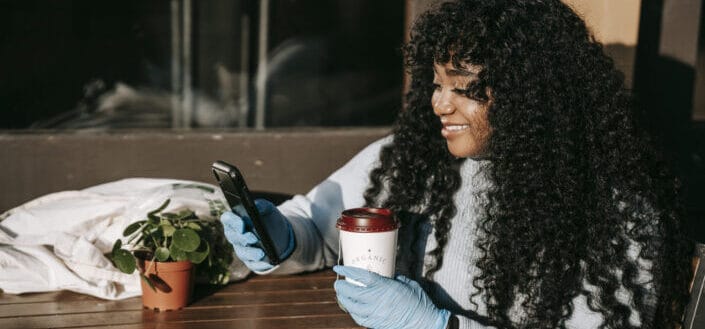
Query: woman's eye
x,y
436,86
462,92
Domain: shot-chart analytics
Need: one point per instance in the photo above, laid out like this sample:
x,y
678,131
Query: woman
x,y
528,196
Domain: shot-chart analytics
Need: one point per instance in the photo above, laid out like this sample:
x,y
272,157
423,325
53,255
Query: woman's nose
x,y
442,105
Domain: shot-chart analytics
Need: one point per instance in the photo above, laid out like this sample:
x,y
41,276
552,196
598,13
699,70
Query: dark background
x,y
348,73
668,91
41,41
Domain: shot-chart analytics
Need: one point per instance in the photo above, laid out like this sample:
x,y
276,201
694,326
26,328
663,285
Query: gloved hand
x,y
239,232
385,303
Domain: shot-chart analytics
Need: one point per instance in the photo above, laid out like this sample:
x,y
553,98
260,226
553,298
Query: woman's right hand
x,y
239,232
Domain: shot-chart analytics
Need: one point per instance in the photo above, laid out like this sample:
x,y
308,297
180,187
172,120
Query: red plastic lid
x,y
367,220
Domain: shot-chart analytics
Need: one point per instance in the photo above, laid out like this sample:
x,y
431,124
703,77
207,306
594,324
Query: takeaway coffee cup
x,y
368,239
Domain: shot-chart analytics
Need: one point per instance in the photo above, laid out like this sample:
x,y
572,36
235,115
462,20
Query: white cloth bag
x,y
59,241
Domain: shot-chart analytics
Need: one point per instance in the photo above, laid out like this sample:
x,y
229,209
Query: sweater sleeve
x,y
313,216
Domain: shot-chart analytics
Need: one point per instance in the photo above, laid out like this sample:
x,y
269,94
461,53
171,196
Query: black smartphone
x,y
238,196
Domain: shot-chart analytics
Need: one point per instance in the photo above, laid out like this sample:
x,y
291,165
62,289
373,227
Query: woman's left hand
x,y
385,303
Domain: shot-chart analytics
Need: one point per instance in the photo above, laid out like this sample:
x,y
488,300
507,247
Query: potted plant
x,y
169,248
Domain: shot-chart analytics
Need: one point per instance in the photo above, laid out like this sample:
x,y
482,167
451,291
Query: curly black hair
x,y
579,194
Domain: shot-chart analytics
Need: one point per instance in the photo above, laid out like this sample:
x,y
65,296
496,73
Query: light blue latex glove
x,y
238,231
385,303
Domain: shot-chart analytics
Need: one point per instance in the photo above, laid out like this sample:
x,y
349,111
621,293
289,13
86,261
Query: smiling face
x,y
465,125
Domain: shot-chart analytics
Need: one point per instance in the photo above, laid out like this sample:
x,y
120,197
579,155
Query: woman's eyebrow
x,y
451,72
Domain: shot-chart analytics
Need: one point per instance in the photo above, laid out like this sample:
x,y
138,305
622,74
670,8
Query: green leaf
x,y
162,207
186,239
117,245
162,254
168,229
152,218
194,226
149,282
187,214
152,214
177,254
169,215
124,261
201,254
132,228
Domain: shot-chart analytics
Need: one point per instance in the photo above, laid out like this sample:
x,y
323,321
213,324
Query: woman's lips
x,y
452,129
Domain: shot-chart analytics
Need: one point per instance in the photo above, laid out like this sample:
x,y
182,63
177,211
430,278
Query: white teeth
x,y
456,127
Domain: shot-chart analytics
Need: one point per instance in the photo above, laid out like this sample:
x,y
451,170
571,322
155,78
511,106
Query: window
x,y
79,64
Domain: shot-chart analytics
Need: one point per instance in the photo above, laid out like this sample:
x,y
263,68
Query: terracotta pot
x,y
173,282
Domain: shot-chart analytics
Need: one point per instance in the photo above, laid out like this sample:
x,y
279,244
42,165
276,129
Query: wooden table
x,y
293,301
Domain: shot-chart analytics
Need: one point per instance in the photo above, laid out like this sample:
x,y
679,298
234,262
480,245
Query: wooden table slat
x,y
257,286
97,319
337,321
53,296
221,300
323,279
294,301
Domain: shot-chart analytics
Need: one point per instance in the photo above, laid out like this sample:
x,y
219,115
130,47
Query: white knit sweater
x,y
314,215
